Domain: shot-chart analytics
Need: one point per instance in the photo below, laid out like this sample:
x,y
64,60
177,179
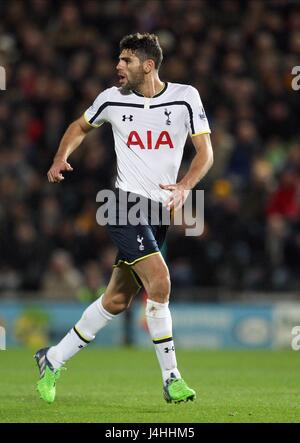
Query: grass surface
x,y
124,385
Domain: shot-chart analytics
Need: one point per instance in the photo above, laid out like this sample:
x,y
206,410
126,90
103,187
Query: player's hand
x,y
178,196
55,172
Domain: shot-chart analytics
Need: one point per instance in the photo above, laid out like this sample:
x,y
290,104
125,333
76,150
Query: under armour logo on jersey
x,y
140,240
168,121
130,118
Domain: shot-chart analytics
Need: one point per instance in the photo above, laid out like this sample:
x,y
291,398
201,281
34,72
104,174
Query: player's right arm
x,y
71,139
93,117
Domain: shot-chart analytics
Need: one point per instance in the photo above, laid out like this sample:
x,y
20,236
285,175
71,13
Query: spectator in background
x,y
61,280
93,283
239,56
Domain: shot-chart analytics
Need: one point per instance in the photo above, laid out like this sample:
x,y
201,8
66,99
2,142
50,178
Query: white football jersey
x,y
149,134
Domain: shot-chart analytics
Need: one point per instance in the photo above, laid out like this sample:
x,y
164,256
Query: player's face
x,y
130,70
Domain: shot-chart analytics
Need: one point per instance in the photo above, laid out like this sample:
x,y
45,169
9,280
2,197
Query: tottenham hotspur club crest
x,y
140,240
167,113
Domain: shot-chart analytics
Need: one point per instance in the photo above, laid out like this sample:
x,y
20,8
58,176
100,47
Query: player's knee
x,y
117,303
159,288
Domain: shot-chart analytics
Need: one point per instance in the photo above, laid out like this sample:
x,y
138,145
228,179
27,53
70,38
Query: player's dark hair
x,y
145,46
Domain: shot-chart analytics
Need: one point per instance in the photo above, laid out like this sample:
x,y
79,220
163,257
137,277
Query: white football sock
x,y
94,318
159,323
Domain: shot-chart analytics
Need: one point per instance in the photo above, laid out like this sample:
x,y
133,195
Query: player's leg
x,y
154,274
120,290
118,295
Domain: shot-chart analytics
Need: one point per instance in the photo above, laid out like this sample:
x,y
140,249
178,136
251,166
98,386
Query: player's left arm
x,y
201,163
199,167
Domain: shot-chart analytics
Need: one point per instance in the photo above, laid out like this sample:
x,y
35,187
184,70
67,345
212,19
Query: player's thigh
x,y
122,286
152,270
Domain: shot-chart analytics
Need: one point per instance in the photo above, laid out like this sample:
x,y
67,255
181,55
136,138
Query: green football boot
x,y
48,376
176,390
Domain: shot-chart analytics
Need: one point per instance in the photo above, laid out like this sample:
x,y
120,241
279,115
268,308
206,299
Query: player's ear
x,y
148,66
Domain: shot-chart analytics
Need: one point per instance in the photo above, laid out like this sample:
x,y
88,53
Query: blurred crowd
x,y
239,55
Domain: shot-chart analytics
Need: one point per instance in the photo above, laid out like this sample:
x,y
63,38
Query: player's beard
x,y
135,82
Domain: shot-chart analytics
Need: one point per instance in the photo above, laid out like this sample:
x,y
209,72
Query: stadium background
x,y
237,285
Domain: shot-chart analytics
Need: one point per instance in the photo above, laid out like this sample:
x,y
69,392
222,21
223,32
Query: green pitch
x,y
124,385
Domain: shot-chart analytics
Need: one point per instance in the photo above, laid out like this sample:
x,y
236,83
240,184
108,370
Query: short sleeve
x,y
97,113
197,122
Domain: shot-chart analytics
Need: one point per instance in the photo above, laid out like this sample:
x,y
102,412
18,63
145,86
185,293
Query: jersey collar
x,y
154,96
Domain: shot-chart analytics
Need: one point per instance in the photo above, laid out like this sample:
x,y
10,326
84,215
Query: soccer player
x,y
150,121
